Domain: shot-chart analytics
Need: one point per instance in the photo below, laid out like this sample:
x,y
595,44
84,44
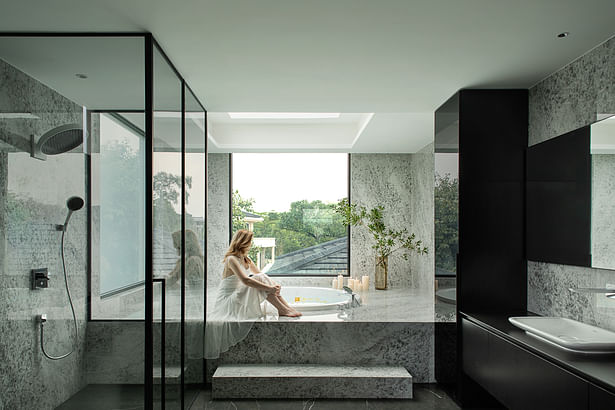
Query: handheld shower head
x,y
74,203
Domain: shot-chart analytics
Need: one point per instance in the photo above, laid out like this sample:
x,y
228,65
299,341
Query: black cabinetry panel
x,y
518,378
559,199
600,399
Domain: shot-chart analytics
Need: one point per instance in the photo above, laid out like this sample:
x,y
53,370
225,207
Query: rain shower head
x,y
57,141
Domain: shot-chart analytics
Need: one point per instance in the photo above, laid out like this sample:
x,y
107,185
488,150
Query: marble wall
x,y
218,202
403,184
33,197
573,97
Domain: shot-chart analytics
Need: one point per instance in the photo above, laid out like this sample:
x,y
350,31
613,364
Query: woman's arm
x,y
253,267
237,269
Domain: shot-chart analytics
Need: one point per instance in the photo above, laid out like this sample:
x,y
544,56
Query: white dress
x,y
236,308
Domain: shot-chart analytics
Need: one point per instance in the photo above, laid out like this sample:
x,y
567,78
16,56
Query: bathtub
x,y
310,299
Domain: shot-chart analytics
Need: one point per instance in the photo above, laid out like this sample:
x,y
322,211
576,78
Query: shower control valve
x,y
40,278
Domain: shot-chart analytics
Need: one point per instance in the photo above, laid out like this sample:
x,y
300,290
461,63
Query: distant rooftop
x,y
325,258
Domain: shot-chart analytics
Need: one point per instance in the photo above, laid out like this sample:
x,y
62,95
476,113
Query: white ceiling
x,y
399,59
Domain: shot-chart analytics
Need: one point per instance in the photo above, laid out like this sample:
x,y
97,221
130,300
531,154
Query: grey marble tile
x,y
345,343
403,185
549,294
571,98
32,202
217,214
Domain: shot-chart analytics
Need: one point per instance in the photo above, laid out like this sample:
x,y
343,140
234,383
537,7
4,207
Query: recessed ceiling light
x,y
282,115
564,34
81,76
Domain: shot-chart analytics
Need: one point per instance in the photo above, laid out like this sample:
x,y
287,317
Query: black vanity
x,y
507,217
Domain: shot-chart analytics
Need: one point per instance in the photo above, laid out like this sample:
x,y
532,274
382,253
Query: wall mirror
x,y
570,197
602,148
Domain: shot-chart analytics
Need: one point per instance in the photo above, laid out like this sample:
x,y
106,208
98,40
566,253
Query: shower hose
x,y
72,308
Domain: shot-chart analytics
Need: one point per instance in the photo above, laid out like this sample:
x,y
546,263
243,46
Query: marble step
x,y
266,381
172,374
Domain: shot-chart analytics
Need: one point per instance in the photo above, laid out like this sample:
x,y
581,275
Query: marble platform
x,y
311,381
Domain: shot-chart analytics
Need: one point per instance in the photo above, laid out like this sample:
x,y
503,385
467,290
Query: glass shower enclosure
x,y
134,254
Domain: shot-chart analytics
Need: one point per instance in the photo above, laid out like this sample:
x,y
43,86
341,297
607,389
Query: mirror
x,y
602,148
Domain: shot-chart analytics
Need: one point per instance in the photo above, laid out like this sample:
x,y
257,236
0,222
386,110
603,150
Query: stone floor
x,y
426,397
130,397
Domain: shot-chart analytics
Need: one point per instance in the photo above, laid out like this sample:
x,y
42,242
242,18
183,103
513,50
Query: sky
x,y
276,180
447,164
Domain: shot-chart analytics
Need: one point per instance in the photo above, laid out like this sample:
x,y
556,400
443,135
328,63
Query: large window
x,y
121,195
288,200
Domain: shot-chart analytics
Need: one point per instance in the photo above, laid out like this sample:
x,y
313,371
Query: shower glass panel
x,y
196,189
99,87
167,235
49,81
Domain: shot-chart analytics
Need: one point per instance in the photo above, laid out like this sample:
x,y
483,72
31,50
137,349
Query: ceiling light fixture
x,y
282,115
564,34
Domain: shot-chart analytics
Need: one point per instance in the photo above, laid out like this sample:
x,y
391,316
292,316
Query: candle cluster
x,y
356,284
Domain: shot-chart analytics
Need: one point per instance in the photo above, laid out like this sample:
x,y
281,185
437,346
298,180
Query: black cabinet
x,y
600,399
518,378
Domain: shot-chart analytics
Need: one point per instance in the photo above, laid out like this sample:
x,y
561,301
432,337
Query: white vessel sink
x,y
567,333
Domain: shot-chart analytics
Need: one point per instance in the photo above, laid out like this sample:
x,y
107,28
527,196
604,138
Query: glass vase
x,y
382,270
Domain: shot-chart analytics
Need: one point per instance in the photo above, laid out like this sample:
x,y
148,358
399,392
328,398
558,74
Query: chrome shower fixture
x,y
74,203
56,141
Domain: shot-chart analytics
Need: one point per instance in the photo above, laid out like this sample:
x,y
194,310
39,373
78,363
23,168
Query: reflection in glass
x,y
603,194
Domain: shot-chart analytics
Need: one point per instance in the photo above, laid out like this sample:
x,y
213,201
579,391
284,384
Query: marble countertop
x,y
392,305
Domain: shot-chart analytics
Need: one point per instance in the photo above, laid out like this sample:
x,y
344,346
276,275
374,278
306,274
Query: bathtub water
x,y
310,298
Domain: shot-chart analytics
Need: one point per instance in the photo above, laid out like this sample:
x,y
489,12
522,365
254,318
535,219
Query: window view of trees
x,y
305,224
308,237
446,194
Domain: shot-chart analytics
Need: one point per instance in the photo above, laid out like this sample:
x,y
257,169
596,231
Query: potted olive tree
x,y
386,240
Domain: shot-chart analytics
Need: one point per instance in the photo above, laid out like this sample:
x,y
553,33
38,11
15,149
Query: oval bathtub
x,y
310,298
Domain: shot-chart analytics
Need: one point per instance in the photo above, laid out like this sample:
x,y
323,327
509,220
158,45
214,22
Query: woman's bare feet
x,y
289,312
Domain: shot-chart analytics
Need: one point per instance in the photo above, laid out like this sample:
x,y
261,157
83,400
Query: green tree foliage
x,y
386,240
446,195
239,205
305,224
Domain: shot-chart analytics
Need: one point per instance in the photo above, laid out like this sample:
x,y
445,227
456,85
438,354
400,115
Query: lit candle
x,y
334,283
365,282
340,281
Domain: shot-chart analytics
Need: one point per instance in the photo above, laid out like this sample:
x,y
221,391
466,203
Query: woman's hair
x,y
242,240
193,248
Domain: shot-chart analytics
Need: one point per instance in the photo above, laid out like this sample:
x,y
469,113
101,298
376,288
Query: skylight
x,y
282,115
